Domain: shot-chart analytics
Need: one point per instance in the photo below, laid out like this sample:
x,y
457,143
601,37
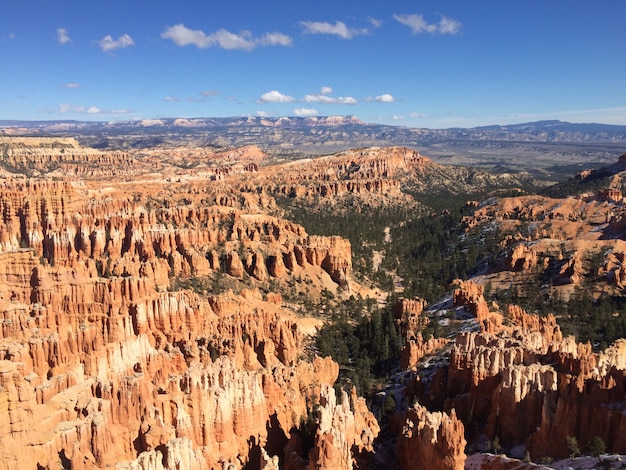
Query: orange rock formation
x,y
528,385
431,441
105,361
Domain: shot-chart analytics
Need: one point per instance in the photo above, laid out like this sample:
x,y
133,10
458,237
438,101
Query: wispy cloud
x,y
305,112
324,98
209,93
204,96
71,85
65,108
338,29
227,40
62,36
274,39
275,96
376,23
418,24
171,99
183,36
108,44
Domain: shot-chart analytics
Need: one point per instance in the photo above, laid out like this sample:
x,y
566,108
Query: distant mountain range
x,y
547,142
322,127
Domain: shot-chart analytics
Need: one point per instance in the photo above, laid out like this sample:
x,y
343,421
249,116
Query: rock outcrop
x,y
431,441
346,429
527,385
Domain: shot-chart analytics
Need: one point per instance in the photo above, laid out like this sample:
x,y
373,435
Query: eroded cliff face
x,y
106,361
519,380
62,157
345,431
431,440
358,179
348,181
101,371
409,315
559,238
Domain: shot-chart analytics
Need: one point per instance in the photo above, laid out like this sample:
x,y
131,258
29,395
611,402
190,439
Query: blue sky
x,y
430,64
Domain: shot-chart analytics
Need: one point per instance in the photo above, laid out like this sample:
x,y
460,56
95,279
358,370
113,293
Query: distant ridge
x,y
323,135
557,126
294,121
6,126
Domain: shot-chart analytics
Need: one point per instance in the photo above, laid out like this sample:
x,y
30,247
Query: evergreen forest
x,y
424,250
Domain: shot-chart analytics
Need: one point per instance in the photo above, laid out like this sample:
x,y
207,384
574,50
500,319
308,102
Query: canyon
x,y
153,314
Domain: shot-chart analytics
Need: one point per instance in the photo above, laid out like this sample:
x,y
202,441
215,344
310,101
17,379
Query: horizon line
x,y
275,118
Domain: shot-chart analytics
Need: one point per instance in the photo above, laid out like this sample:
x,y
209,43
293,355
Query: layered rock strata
x,y
104,361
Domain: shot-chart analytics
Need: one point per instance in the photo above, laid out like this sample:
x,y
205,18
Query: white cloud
x,y
418,24
183,36
305,112
397,117
275,97
449,26
262,113
171,99
338,29
227,40
325,99
108,44
317,98
65,108
210,93
322,97
418,115
347,100
71,85
275,39
62,36
385,98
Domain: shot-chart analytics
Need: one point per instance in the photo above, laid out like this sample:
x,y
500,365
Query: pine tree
x,y
596,447
572,445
